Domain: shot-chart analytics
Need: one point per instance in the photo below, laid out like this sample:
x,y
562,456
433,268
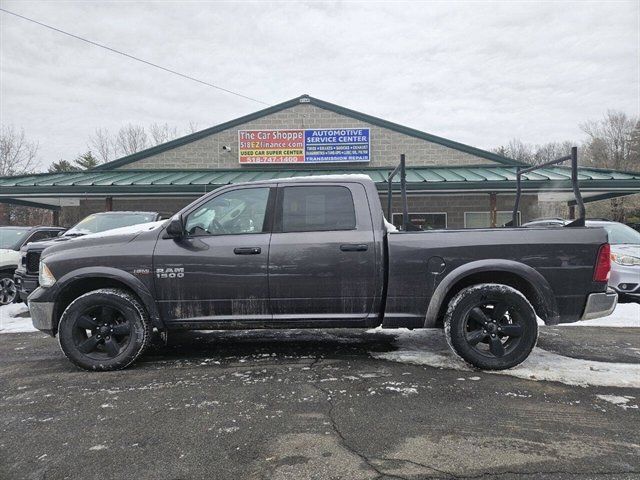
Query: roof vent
x,y
305,99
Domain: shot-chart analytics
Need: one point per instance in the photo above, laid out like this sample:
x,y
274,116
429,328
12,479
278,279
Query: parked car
x,y
26,275
625,254
315,252
11,240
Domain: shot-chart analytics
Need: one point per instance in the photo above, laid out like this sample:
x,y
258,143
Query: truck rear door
x,y
322,262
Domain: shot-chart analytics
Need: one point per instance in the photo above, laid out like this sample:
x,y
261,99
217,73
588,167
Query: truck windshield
x,y
620,234
11,238
107,221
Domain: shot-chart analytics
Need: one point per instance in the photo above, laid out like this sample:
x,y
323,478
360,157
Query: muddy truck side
x,y
315,252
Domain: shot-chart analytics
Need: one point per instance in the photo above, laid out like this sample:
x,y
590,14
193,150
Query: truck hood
x,y
117,235
40,246
9,258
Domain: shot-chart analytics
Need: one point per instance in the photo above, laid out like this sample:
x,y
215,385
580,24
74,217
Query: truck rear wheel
x,y
491,326
105,329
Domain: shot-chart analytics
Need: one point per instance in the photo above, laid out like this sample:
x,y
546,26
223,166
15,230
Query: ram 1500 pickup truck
x,y
315,252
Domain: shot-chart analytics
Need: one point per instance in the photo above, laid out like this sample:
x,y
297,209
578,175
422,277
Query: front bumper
x,y
625,279
25,283
600,305
42,306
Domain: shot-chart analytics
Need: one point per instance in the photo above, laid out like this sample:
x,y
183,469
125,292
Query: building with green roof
x,y
450,185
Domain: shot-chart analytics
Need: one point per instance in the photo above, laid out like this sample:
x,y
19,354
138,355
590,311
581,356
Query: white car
x,y
625,254
11,239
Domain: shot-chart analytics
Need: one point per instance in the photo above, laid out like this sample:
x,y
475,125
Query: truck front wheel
x,y
105,329
491,326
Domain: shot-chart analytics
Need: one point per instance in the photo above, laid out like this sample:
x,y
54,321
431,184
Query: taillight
x,y
603,264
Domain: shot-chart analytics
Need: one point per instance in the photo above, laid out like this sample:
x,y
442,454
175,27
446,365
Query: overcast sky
x,y
478,73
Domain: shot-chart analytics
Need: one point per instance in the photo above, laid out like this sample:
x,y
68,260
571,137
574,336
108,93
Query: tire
x,y
8,290
491,326
106,329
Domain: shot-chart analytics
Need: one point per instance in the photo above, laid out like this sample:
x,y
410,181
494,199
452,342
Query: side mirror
x,y
175,229
60,233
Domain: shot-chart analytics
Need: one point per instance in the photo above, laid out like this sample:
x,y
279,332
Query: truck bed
x,y
422,264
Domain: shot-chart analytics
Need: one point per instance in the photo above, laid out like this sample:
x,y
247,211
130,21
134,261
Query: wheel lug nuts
x,y
493,334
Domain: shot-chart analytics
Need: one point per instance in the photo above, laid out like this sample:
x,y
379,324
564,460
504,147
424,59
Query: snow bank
x,y
12,322
429,347
625,315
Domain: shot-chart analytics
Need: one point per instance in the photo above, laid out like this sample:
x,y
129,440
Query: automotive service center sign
x,y
326,145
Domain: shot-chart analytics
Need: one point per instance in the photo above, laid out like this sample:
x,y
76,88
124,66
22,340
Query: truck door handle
x,y
354,247
247,250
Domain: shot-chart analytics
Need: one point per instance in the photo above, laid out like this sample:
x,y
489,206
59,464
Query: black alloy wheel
x,y
491,326
104,329
102,332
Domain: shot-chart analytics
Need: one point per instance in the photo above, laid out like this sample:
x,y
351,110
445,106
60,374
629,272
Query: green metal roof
x,y
196,182
307,100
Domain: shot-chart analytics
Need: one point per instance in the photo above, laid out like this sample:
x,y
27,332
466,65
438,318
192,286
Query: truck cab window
x,y
231,213
317,208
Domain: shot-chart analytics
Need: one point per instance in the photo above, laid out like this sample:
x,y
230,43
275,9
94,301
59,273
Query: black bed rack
x,y
407,225
579,222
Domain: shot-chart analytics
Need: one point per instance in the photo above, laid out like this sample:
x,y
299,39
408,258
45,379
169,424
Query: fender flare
x,y
545,303
126,278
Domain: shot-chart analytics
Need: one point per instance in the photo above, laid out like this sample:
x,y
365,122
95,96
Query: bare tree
x,y
161,133
102,143
551,151
17,157
610,144
131,139
192,127
17,154
610,140
534,154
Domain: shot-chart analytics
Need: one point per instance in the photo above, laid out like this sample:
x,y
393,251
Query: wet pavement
x,y
310,405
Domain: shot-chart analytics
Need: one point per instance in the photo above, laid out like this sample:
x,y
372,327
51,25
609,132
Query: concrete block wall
x,y
386,145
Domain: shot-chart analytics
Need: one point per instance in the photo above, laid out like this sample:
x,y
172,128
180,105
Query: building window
x,y
424,221
483,219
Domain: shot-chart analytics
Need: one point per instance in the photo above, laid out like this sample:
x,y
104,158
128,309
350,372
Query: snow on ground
x,y
15,318
621,401
429,347
625,315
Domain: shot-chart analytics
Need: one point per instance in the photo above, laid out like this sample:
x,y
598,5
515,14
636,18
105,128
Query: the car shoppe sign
x,y
325,145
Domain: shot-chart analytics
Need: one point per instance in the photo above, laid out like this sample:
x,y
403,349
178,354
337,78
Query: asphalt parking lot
x,y
309,404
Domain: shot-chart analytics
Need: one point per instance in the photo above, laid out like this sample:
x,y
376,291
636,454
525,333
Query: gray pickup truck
x,y
315,252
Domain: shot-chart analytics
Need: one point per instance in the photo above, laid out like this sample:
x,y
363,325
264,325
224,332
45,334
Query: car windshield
x,y
620,234
12,238
101,222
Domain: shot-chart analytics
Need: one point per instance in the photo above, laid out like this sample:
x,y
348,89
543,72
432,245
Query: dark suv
x,y
26,275
11,240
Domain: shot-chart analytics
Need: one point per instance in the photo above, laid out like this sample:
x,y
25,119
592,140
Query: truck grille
x,y
33,259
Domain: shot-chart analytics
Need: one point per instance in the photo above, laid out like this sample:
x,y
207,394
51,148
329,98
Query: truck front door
x,y
322,262
218,270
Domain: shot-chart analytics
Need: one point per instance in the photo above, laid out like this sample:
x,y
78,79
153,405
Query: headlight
x,y
627,260
45,277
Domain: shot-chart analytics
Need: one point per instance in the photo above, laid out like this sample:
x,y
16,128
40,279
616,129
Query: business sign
x,y
326,145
